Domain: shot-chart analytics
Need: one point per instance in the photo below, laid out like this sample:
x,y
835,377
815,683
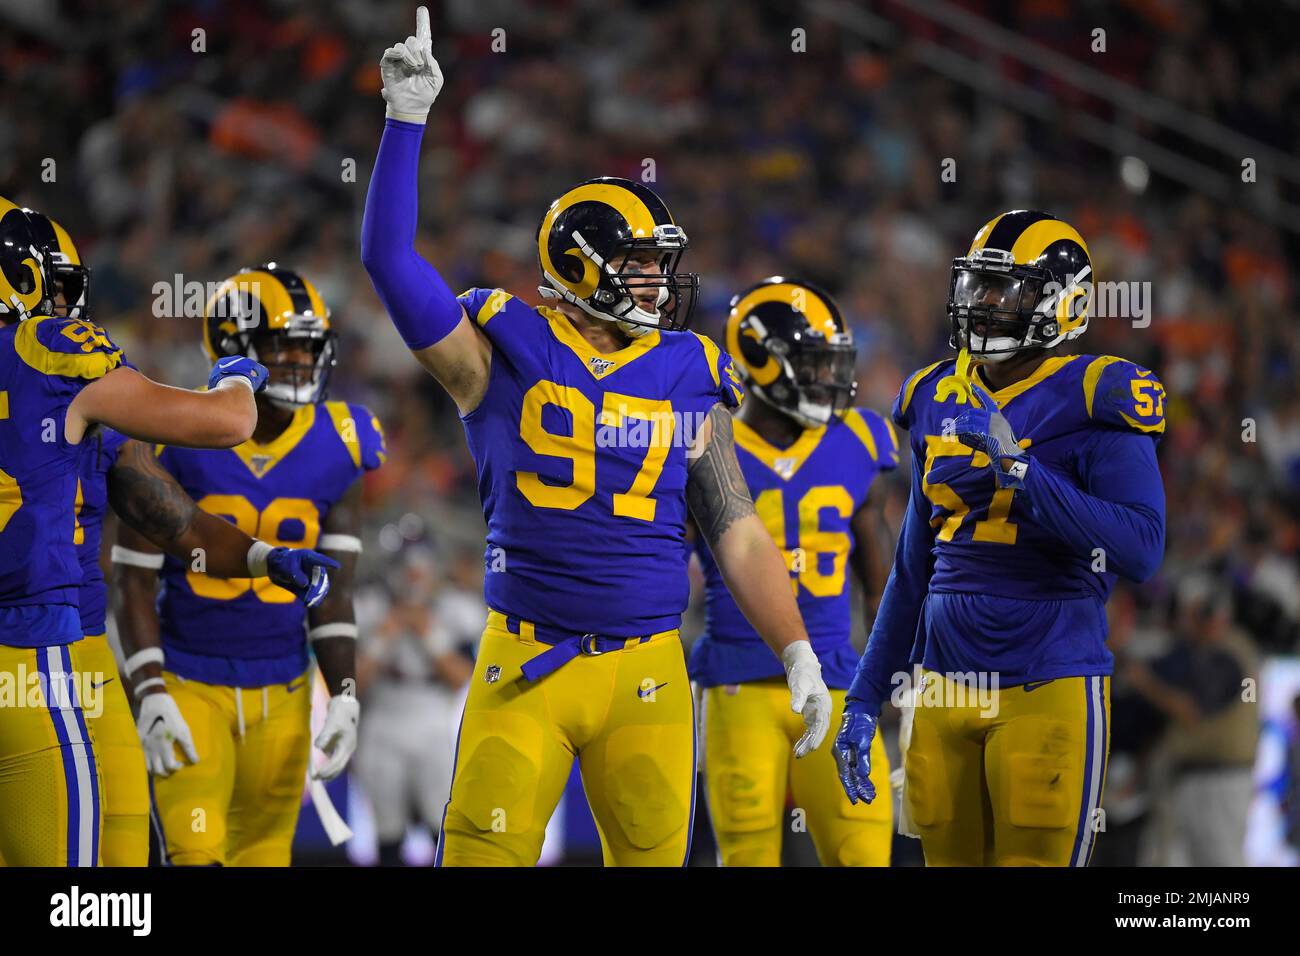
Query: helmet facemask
x,y
997,308
618,282
819,381
292,382
69,286
276,317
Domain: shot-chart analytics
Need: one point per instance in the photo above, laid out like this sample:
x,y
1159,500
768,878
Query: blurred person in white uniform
x,y
413,671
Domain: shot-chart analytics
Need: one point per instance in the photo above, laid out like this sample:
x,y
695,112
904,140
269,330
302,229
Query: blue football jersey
x,y
807,495
44,363
235,631
98,454
581,460
1005,594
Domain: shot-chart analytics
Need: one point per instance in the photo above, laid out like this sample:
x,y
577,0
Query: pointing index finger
x,y
422,31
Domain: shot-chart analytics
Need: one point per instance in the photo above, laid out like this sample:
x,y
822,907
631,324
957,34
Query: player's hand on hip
x,y
412,77
853,752
240,369
162,729
302,571
808,695
338,738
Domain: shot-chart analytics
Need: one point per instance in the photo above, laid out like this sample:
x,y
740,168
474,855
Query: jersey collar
x,y
262,458
1049,368
784,461
598,363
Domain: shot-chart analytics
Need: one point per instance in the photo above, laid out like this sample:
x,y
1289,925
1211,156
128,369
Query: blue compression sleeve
x,y
894,631
1122,511
419,302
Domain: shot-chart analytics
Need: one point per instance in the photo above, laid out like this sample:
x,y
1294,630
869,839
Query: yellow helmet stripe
x,y
272,297
627,203
66,245
318,306
275,300
798,297
1031,243
982,236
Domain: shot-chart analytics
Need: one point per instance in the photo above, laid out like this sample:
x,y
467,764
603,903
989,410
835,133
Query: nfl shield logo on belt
x,y
493,673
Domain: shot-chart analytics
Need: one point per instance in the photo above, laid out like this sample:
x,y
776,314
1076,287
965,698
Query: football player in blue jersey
x,y
809,458
59,377
229,656
124,474
1034,486
596,422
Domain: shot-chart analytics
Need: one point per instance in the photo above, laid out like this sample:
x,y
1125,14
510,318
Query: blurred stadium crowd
x,y
175,165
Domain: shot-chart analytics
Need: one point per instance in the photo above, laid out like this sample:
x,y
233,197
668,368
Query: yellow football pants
x,y
627,716
238,806
121,758
1014,780
51,788
749,763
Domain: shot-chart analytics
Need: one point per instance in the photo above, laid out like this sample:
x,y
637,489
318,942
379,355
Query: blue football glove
x,y
301,571
853,752
986,429
238,365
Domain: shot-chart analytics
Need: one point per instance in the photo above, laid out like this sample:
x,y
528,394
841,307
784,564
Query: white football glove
x,y
412,77
161,727
338,738
808,695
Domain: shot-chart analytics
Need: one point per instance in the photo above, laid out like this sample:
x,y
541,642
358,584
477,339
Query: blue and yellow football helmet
x,y
68,293
24,268
793,349
585,242
265,313
1025,283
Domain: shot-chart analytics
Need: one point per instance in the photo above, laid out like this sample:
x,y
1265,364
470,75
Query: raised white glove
x,y
161,727
338,738
412,77
808,695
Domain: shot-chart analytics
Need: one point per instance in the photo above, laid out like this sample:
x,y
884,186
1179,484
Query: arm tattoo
x,y
146,497
716,492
